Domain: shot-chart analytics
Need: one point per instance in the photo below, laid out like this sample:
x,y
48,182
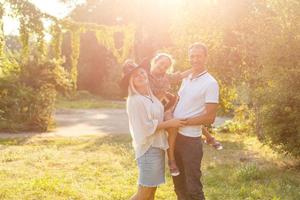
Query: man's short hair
x,y
199,45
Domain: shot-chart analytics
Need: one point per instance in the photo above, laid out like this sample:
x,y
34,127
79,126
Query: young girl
x,y
160,82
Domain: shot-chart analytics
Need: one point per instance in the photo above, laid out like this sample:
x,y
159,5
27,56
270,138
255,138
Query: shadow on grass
x,y
233,145
14,141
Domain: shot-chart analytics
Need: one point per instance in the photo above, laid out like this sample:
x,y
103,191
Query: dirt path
x,y
77,122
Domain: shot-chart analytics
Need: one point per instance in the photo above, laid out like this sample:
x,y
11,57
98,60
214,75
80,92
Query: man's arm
x,y
207,117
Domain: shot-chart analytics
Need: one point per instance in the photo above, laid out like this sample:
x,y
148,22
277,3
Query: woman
x,y
146,124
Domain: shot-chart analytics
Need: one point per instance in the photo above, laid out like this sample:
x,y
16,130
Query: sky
x,y
52,7
57,9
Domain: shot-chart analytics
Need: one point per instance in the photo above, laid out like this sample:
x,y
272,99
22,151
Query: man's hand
x,y
207,116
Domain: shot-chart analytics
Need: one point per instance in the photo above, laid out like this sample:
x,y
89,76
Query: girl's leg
x,y
207,135
210,139
172,132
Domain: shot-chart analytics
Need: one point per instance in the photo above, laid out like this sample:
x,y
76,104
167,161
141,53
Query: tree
x,y
27,103
254,49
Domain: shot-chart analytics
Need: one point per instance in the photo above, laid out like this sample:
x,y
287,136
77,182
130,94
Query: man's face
x,y
197,57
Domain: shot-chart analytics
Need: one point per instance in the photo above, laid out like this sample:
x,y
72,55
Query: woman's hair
x,y
131,89
159,56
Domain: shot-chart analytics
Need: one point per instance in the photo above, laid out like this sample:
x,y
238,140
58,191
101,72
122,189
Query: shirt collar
x,y
198,76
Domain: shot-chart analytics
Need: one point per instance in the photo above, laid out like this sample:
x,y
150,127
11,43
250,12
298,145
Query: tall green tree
x,y
98,70
254,49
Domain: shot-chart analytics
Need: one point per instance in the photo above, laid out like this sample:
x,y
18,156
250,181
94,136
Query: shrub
x,y
242,122
27,95
280,112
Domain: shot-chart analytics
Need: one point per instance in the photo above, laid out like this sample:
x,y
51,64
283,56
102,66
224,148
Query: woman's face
x,y
140,78
161,65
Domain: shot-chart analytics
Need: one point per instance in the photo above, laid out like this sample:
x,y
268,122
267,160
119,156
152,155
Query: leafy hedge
x,y
27,95
280,112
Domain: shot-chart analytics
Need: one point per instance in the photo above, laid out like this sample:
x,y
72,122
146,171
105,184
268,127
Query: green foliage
x,y
253,52
27,103
24,38
75,46
249,172
279,115
31,24
85,100
2,42
252,44
29,81
106,37
228,96
242,122
24,108
45,72
56,42
277,97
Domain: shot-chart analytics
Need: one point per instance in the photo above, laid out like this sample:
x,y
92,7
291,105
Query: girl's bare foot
x,y
213,142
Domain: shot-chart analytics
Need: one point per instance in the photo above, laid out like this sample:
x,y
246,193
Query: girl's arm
x,y
178,76
186,73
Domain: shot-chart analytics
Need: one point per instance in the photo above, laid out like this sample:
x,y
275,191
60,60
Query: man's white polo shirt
x,y
193,95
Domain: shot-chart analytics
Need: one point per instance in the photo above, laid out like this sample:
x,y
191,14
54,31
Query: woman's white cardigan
x,y
144,116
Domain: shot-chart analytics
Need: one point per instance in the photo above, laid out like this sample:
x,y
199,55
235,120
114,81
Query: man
x,y
198,101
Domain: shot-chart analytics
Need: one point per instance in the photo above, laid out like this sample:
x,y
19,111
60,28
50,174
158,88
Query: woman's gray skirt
x,y
151,167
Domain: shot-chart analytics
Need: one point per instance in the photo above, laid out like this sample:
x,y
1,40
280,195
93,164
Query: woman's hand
x,y
176,123
172,123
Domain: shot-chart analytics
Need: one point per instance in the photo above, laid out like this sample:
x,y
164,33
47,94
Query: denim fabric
x,y
151,167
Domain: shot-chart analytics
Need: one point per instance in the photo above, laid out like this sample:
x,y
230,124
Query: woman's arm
x,y
172,123
141,123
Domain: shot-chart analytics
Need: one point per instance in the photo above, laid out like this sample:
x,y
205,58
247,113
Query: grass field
x,y
85,100
104,168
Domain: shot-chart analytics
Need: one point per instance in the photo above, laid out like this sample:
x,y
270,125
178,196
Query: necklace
x,y
148,97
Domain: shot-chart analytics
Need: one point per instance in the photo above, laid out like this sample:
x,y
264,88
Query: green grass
x,y
104,168
84,100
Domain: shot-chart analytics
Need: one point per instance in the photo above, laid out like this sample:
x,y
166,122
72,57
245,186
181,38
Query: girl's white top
x,y
144,116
